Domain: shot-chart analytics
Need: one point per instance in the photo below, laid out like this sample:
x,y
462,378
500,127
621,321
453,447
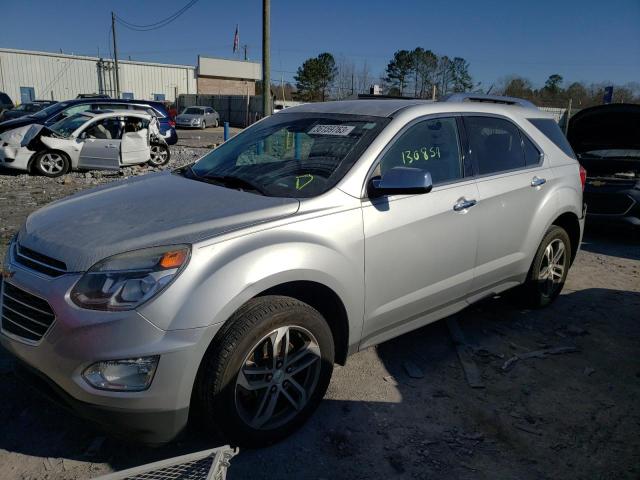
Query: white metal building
x,y
28,75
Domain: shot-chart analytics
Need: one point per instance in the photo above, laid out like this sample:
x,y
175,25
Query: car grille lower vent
x,y
39,262
608,203
23,314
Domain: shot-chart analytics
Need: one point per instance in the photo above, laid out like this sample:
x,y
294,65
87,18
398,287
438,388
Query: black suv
x,y
58,111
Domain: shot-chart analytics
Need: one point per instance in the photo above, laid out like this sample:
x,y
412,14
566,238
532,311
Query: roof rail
x,y
479,97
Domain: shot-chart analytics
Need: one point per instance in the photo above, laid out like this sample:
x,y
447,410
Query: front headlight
x,y
125,281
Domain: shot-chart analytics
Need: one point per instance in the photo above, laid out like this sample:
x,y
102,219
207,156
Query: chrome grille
x,y
23,314
39,262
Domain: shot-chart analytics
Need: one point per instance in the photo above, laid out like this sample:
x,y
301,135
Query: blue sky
x,y
591,41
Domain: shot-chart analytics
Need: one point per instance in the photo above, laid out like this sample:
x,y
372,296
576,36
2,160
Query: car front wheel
x,y
52,163
266,371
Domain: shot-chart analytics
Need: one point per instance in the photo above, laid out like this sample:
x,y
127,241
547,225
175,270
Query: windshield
x,y
193,111
290,155
67,126
46,112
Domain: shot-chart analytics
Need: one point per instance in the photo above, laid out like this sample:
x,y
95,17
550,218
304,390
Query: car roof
x,y
199,106
391,107
115,113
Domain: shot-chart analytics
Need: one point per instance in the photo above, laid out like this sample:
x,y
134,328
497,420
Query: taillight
x,y
583,176
172,123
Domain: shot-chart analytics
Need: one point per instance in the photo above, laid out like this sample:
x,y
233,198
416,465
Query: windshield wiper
x,y
230,181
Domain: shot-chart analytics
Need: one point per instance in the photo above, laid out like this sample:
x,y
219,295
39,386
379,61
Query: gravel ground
x,y
404,409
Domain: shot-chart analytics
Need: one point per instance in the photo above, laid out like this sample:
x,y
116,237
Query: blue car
x,y
60,110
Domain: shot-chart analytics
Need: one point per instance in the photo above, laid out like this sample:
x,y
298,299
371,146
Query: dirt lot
x,y
570,415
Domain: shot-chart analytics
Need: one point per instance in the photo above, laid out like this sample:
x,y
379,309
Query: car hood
x,y
21,136
605,127
188,117
17,122
11,114
145,211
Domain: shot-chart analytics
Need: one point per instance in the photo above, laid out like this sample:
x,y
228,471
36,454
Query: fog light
x,y
131,375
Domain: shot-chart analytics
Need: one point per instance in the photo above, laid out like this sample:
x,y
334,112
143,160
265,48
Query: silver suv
x,y
225,291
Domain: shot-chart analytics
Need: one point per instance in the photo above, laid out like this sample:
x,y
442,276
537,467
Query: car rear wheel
x,y
549,269
52,163
159,155
266,372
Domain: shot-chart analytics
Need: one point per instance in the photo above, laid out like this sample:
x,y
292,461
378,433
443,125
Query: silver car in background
x,y
313,234
198,117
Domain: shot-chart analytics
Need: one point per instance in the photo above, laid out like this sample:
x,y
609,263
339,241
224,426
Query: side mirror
x,y
82,135
401,181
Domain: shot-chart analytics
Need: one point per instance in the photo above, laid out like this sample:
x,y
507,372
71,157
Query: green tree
x,y
443,75
425,64
577,93
518,87
399,68
315,76
461,80
553,84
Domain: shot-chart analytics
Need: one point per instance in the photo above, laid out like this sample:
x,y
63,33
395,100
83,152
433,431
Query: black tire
x,y
217,123
536,292
219,396
203,125
159,155
51,163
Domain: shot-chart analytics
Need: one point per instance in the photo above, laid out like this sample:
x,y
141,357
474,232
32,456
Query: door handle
x,y
464,204
111,145
537,182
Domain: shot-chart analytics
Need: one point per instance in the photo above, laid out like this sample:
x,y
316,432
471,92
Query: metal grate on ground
x,y
204,465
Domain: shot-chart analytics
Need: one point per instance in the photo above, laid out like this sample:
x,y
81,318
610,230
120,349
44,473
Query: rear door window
x,y
431,145
496,144
531,152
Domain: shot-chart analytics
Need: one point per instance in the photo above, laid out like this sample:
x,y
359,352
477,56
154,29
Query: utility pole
x,y
115,53
266,58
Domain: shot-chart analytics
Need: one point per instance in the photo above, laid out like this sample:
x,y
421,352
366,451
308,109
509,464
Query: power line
x,y
159,24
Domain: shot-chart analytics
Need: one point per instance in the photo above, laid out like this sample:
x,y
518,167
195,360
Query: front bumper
x,y
78,338
15,157
610,206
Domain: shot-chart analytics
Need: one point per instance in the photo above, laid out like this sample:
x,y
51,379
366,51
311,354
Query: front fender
x,y
69,146
221,277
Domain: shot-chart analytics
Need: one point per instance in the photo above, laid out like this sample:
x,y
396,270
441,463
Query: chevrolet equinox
x,y
224,292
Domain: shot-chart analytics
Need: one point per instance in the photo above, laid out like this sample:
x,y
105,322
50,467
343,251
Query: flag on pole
x,y
236,40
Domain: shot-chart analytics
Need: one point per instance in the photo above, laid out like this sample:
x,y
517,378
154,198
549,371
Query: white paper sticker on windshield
x,y
339,130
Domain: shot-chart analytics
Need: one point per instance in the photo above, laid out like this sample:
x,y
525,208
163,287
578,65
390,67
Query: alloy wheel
x,y
552,267
278,377
158,155
52,163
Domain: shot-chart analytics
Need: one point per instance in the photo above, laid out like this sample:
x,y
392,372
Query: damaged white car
x,y
88,140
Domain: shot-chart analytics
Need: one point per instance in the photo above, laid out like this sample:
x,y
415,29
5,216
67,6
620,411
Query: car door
x,y
135,147
420,249
101,145
511,178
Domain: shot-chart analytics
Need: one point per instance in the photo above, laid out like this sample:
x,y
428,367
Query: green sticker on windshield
x,y
303,180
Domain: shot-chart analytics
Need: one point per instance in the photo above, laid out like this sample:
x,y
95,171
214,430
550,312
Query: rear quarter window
x,y
552,131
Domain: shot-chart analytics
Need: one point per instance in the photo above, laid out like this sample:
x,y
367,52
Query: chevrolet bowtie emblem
x,y
7,274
